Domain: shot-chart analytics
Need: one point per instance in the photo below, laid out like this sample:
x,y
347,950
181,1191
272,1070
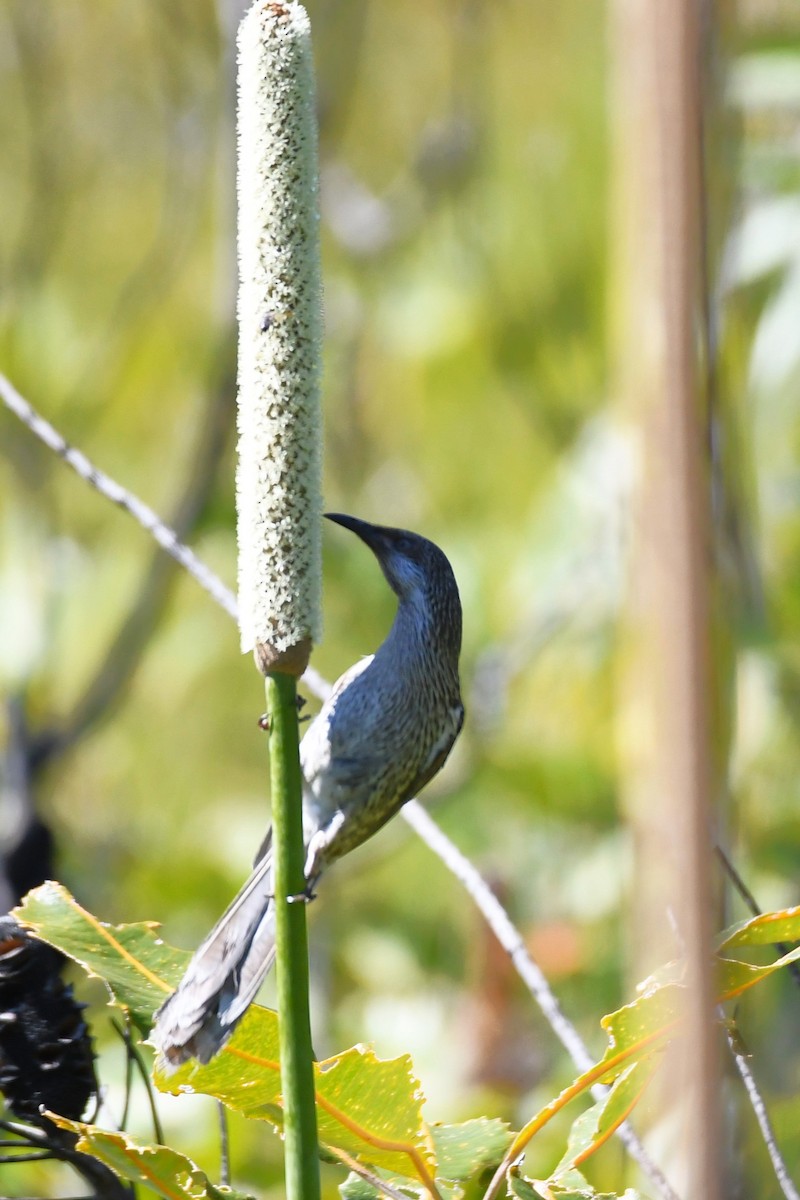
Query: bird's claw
x,y
265,720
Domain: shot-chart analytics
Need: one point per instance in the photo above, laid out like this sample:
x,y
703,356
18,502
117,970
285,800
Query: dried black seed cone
x,y
46,1056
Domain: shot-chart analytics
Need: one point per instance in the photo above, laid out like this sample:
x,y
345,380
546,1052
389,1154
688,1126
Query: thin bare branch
x,y
528,970
111,490
504,930
135,1059
764,1124
224,1145
33,1156
115,671
58,1143
379,1184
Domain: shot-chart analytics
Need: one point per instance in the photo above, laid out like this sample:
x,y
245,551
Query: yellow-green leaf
x,y
366,1106
780,926
463,1150
158,1168
138,967
593,1128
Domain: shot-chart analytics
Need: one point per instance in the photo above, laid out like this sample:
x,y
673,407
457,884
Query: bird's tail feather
x,y
223,976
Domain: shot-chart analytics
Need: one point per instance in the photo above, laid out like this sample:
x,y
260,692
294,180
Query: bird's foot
x,y
305,897
265,720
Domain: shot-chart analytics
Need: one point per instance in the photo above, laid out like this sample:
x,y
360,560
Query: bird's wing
x,y
223,976
439,751
264,849
317,754
345,784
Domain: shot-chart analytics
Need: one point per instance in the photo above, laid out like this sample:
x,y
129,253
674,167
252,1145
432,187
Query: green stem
x,y
297,1072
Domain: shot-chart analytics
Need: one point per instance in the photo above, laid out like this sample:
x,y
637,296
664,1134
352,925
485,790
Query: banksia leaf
x,y
280,335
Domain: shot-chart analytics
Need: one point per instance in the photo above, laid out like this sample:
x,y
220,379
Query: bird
x,y
386,729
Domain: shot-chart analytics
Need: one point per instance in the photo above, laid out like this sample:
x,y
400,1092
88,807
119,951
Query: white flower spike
x,y
278,481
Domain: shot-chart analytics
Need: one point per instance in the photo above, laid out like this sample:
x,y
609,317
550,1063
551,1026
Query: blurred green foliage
x,y
465,194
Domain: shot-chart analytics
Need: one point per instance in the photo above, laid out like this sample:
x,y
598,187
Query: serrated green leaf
x,y
783,925
366,1106
159,1168
463,1150
373,1107
137,966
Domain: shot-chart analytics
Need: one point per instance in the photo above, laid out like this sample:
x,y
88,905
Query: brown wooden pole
x,y
667,689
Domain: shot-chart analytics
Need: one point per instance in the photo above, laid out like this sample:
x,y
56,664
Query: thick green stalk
x,y
297,1073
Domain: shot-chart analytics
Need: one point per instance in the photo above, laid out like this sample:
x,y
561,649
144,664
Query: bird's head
x,y
417,571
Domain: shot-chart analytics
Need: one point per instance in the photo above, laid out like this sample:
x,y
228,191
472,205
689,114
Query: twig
x,y
379,1184
31,1156
28,1133
737,881
111,490
115,671
504,930
528,970
224,1146
59,1144
124,1035
135,1058
761,1115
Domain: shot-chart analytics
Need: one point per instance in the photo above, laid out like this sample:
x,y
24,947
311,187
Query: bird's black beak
x,y
373,535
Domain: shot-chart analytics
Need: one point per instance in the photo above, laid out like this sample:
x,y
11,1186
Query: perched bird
x,y
386,729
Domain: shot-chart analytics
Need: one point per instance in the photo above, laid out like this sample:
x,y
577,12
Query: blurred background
x,y
469,394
